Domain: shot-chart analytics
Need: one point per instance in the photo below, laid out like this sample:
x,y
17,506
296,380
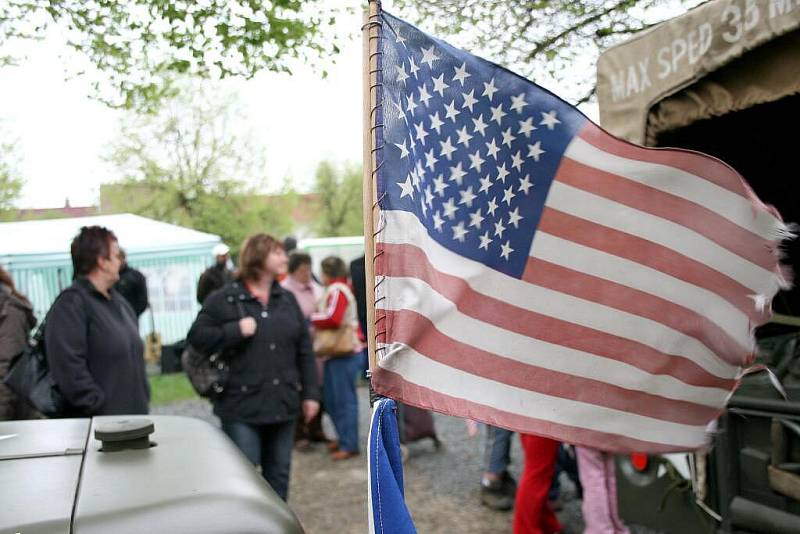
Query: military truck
x,y
131,474
723,79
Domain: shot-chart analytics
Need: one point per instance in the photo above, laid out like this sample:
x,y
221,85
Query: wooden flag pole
x,y
370,36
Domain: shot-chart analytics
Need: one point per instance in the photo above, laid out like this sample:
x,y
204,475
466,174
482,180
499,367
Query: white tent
x,y
36,253
35,242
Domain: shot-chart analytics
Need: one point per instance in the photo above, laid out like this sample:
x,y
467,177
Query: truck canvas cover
x,y
675,73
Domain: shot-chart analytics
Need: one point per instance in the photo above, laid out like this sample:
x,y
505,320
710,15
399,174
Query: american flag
x,y
538,274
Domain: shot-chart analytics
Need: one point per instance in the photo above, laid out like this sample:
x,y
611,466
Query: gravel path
x,y
442,487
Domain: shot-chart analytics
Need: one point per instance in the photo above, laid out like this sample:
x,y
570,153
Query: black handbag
x,y
208,373
30,378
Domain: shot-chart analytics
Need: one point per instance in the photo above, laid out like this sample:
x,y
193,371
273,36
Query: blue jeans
x,y
269,446
341,401
497,454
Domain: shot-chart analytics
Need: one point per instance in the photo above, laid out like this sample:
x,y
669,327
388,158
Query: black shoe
x,y
499,494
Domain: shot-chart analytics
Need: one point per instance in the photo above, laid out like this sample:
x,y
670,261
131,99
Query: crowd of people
x,y
267,318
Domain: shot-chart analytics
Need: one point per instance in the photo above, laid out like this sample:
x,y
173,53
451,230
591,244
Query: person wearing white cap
x,y
217,275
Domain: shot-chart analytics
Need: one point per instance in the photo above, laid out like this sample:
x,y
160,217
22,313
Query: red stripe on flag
x,y
700,165
410,261
393,385
419,333
651,254
627,299
650,200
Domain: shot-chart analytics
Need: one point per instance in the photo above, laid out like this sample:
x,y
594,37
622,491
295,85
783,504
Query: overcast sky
x,y
301,119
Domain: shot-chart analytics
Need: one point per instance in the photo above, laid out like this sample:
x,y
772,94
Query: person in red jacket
x,y
338,307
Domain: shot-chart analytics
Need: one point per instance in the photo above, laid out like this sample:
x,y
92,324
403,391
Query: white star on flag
x,y
439,185
450,208
535,150
486,183
403,149
411,105
402,76
480,126
502,172
407,188
517,161
424,95
447,148
475,219
463,137
506,250
526,127
518,102
421,133
508,195
508,138
498,113
467,196
493,149
452,112
492,206
549,119
428,56
430,159
485,241
476,160
525,184
499,229
461,74
438,221
489,89
413,68
436,123
457,174
469,100
439,85
459,232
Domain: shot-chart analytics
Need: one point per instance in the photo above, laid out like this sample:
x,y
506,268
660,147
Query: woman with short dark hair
x,y
261,332
92,335
16,322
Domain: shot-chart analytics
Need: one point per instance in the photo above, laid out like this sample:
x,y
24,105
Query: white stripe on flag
x,y
629,273
428,373
403,294
403,227
620,217
736,208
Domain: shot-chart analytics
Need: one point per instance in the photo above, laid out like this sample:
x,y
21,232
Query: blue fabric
x,y
389,512
341,401
411,162
497,454
269,446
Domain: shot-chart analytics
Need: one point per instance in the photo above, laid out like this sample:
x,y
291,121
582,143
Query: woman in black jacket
x,y
259,328
92,334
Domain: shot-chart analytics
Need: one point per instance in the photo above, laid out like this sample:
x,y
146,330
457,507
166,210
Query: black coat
x,y
269,372
212,279
359,278
95,352
133,286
